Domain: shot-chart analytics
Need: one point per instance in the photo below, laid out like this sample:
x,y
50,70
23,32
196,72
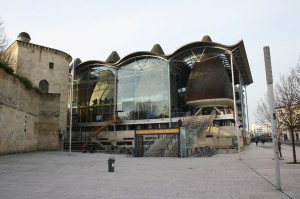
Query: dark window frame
x,y
44,86
51,65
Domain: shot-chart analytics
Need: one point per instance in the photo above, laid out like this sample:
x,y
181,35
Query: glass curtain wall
x,y
94,95
143,89
179,75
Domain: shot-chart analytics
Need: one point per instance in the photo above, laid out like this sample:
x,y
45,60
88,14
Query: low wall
x,y
220,137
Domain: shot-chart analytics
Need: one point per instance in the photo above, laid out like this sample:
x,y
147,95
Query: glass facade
x,y
143,89
94,91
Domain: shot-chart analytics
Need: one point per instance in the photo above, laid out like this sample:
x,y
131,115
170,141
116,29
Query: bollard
x,y
111,164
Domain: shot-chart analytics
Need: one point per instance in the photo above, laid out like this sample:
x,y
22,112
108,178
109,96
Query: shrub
x,y
6,67
27,83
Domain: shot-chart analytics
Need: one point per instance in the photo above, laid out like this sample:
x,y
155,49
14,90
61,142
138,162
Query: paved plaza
x,y
46,175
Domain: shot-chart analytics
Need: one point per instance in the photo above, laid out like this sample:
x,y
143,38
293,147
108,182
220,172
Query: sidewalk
x,y
260,160
44,175
297,143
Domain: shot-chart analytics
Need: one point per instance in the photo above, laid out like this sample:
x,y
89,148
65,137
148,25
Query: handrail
x,y
169,140
207,122
199,128
166,145
148,141
93,139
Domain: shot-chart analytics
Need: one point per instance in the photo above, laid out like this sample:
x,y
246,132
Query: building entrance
x,y
157,142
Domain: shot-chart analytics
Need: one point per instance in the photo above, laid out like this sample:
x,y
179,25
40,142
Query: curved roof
x,y
240,60
186,53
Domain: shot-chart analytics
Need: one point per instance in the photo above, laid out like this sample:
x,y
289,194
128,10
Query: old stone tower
x,y
45,67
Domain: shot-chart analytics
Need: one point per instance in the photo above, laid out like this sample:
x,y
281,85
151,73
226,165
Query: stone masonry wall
x,y
48,128
23,126
33,62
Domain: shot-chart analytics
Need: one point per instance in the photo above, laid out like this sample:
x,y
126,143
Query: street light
x,y
72,66
269,76
234,104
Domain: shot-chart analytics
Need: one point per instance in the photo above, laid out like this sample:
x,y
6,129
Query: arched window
x,y
44,85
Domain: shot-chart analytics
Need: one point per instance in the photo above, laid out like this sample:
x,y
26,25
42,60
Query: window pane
x,y
94,94
143,89
43,85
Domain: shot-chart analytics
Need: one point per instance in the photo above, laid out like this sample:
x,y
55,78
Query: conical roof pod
x,y
113,57
157,50
206,38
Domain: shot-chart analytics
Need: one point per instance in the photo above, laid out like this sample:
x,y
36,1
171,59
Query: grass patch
x,y
293,163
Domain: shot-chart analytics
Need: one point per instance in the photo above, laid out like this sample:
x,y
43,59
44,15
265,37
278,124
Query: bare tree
x,y
295,72
287,105
3,40
5,56
262,114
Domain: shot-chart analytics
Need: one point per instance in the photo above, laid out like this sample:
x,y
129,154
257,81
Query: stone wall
x,y
29,121
33,62
48,127
220,137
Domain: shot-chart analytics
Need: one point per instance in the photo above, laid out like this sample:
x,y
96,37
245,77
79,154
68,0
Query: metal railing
x,y
149,143
166,145
195,126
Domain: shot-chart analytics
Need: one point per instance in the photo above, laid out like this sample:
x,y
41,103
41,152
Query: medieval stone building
x,y
33,117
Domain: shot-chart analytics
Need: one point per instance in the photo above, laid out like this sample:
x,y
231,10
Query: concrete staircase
x,y
173,150
163,148
77,146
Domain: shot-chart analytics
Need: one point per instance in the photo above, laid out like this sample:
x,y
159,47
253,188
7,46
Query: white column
x,y
234,104
71,105
272,113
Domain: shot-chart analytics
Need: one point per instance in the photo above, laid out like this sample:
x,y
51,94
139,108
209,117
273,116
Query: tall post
x,y
242,108
247,109
234,104
170,112
269,76
71,107
115,103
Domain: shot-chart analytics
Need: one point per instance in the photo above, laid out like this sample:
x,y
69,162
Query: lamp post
x,y
269,76
71,107
234,104
72,66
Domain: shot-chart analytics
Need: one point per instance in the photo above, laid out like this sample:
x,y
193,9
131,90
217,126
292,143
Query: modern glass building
x,y
151,90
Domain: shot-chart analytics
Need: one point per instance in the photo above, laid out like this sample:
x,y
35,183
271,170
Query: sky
x,y
92,29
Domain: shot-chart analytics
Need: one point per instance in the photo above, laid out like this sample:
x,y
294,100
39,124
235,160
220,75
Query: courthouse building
x,y
139,99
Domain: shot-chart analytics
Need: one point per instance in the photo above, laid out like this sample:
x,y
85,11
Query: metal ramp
x,y
111,120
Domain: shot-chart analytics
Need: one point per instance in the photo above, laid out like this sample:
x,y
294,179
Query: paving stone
x,y
42,175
